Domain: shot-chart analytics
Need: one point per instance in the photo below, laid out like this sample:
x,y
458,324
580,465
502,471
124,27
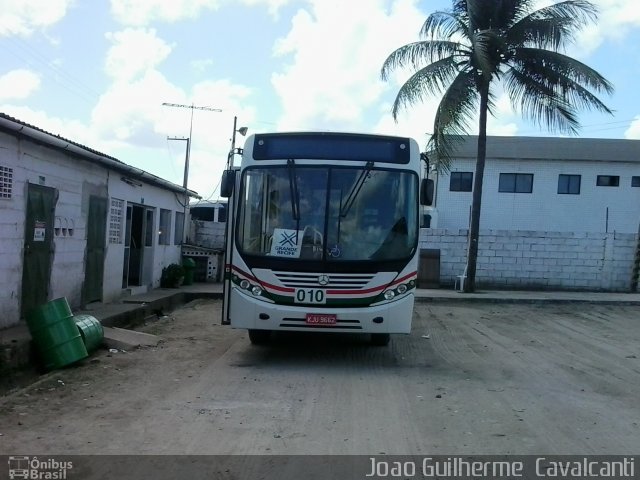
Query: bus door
x,y
229,187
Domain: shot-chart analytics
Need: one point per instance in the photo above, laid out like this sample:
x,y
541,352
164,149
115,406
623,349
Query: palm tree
x,y
467,51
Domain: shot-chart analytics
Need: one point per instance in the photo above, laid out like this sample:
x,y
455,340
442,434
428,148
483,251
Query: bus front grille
x,y
336,281
341,324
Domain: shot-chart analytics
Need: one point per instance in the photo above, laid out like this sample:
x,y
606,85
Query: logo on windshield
x,y
323,280
289,239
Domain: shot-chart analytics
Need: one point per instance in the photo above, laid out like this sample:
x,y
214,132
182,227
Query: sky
x,y
98,73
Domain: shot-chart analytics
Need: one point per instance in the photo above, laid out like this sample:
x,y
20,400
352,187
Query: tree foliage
x,y
463,55
466,51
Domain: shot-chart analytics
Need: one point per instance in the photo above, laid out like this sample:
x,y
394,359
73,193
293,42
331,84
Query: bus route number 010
x,y
310,295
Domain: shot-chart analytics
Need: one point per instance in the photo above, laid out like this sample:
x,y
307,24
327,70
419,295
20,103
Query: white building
x,y
77,223
206,239
207,225
545,184
556,213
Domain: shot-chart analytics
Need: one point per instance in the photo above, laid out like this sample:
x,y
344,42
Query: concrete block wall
x,y
538,259
208,234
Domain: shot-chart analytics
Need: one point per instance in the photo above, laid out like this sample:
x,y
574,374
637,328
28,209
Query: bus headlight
x,y
245,284
401,289
389,294
257,291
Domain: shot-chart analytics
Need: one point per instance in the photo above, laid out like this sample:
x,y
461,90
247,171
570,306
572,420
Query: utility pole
x,y
184,182
242,131
188,154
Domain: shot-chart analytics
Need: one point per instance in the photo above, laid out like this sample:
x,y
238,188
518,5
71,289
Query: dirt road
x,y
471,378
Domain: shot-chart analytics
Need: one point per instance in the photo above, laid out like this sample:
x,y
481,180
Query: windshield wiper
x,y
293,186
353,194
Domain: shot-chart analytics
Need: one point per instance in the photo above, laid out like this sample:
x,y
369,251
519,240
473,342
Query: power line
x,y
69,82
188,154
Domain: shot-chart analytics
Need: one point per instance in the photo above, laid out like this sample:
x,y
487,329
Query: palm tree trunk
x,y
474,233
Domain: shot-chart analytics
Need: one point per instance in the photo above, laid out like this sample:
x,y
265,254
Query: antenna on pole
x,y
188,154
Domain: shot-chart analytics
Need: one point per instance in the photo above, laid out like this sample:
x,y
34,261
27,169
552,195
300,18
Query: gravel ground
x,y
470,379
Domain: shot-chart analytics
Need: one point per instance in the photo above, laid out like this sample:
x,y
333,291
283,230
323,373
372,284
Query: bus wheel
x,y
259,337
380,339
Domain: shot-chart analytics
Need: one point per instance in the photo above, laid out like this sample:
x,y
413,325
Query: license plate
x,y
321,318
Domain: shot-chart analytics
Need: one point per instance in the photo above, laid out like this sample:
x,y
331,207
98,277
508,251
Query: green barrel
x,y
90,330
55,334
189,266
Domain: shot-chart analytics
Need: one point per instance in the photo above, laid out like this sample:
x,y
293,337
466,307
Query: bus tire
x,y
380,339
259,337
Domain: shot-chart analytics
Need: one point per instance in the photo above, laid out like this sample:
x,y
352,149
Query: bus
x,y
322,234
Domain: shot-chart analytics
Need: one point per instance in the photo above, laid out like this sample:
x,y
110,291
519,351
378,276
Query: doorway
x,y
96,235
138,246
38,246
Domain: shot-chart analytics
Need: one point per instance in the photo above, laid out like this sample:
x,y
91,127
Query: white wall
x,y
544,209
163,255
12,215
76,180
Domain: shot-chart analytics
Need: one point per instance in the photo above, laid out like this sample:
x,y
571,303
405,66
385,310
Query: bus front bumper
x,y
251,313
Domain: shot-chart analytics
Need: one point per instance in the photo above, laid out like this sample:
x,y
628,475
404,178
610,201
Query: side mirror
x,y
426,192
227,183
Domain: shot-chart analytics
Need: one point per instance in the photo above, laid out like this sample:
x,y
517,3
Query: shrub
x,y
172,276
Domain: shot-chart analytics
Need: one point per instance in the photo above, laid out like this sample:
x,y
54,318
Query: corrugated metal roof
x,y
16,127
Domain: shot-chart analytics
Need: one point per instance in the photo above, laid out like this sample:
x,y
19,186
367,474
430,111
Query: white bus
x,y
322,234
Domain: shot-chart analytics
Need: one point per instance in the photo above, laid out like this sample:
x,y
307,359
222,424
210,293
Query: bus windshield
x,y
328,213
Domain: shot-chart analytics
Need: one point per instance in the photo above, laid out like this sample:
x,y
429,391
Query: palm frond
x,y
417,54
539,102
441,25
559,69
431,79
554,26
455,112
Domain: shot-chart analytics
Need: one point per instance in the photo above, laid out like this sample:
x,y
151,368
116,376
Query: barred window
x,y
115,220
6,182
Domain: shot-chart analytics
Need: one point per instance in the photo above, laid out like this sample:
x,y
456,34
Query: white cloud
x,y
133,126
336,53
272,5
212,131
615,21
70,129
134,52
18,84
24,16
201,65
633,132
144,12
127,108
